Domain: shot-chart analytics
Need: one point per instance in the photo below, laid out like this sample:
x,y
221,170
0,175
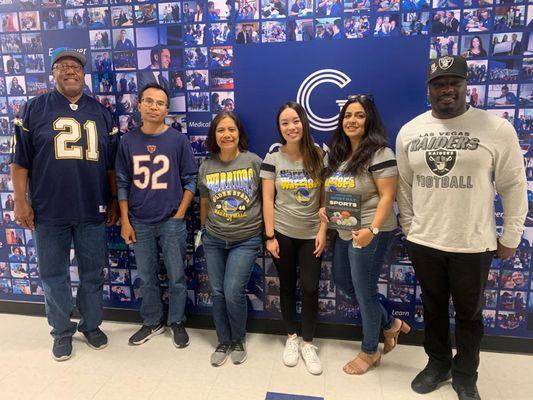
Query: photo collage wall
x,y
189,47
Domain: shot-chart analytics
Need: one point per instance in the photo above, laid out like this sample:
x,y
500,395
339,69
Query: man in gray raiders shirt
x,y
447,160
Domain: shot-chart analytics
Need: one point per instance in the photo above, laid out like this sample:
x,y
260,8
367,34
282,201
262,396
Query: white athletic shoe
x,y
312,362
290,354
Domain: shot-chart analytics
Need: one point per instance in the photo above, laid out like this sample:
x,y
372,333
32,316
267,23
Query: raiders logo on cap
x,y
448,65
445,62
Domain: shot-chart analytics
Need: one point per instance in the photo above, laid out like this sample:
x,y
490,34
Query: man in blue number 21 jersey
x,y
156,178
65,145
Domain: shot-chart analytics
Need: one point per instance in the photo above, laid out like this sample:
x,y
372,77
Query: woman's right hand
x,y
273,247
322,214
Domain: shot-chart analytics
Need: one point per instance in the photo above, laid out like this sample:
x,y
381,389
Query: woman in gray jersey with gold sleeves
x,y
230,208
361,164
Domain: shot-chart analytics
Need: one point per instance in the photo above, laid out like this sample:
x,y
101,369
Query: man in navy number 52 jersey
x,y
156,178
65,145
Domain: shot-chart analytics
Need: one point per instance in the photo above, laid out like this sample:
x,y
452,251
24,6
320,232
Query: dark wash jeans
x,y
53,248
229,266
356,273
464,277
172,236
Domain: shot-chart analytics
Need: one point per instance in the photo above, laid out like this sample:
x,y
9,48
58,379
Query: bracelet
x,y
267,238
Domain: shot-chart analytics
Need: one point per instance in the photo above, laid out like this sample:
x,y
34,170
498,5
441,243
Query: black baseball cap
x,y
447,65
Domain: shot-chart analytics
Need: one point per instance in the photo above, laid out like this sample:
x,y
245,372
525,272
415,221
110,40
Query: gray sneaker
x,y
220,355
238,355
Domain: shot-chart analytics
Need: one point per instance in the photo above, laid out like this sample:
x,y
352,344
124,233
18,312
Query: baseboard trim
x,y
503,344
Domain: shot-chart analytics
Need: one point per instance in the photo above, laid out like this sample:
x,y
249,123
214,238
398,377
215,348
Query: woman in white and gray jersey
x,y
291,181
361,164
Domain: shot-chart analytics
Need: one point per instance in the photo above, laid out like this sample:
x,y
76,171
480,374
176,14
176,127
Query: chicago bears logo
x,y
441,161
151,148
445,62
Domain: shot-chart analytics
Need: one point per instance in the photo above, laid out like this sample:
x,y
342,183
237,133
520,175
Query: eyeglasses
x,y
369,97
150,102
66,67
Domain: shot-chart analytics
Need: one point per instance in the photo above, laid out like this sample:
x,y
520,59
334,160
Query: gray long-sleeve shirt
x,y
449,171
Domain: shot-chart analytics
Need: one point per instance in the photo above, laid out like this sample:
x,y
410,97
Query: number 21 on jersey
x,y
70,133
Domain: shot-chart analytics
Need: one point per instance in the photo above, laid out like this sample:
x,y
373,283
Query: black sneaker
x,y
220,355
96,339
62,349
180,338
465,392
145,333
429,379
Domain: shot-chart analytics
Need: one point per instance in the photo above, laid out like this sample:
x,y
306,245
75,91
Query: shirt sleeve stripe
x,y
268,167
382,165
18,122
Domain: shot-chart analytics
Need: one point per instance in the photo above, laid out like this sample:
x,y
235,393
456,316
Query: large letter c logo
x,y
306,88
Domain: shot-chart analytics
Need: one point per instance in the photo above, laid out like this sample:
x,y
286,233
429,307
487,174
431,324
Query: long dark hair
x,y
373,139
211,141
312,156
481,49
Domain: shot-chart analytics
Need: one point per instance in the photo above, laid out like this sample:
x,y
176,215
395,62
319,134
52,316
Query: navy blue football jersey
x,y
153,171
68,149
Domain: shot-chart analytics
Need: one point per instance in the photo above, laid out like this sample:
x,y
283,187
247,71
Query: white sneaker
x,y
290,354
312,362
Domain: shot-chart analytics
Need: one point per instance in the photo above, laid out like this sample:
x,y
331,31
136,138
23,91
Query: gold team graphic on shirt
x,y
300,182
231,192
340,181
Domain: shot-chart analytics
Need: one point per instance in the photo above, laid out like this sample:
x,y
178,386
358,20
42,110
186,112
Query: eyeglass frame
x,y
64,68
150,102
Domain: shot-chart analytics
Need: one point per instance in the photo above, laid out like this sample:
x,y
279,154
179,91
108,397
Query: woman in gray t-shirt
x,y
292,180
361,164
230,209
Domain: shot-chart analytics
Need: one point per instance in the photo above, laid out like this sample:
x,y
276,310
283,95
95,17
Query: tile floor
x,y
157,370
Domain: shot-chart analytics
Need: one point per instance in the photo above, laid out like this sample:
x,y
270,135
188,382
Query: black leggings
x,y
295,252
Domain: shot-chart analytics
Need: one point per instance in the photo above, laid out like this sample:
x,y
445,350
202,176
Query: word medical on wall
x,y
251,56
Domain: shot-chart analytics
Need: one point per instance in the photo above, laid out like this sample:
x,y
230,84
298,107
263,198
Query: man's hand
x,y
127,232
504,252
113,212
24,214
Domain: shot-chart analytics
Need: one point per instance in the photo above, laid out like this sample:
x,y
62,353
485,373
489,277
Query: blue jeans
x,y
229,266
53,246
356,273
172,236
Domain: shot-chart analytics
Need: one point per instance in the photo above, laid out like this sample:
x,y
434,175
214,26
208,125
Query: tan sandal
x,y
391,336
360,364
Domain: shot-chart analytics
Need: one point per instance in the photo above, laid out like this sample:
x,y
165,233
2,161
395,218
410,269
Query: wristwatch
x,y
374,231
